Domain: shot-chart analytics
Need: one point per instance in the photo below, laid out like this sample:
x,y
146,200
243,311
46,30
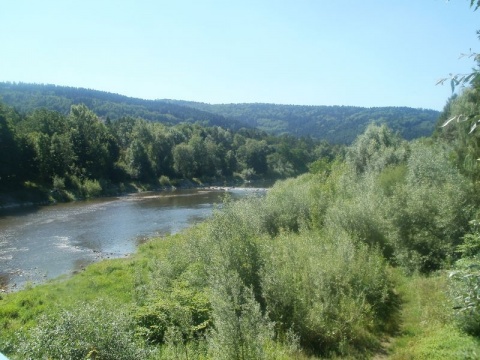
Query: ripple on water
x,y
64,243
63,213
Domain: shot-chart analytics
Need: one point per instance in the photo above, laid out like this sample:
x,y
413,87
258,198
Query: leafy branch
x,y
471,79
462,79
475,3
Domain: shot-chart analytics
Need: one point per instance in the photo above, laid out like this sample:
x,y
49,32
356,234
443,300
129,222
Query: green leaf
x,y
452,84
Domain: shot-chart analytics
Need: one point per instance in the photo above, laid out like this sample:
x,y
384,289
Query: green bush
x,y
416,211
430,212
91,188
465,283
391,177
183,311
231,240
90,331
58,183
240,331
360,209
332,292
164,180
288,205
466,295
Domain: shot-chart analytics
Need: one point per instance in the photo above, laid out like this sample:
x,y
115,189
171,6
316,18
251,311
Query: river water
x,y
37,244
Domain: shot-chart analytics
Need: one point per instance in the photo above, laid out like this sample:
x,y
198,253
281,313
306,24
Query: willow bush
x,y
241,331
333,292
359,209
430,211
465,282
415,205
90,331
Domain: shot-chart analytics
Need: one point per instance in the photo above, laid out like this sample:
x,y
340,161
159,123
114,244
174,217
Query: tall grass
x,y
428,330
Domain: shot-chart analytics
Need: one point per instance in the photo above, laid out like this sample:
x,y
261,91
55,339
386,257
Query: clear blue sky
x,y
310,52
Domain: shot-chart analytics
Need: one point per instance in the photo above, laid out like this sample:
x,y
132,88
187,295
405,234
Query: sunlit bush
x,y
332,292
91,188
466,294
465,283
377,148
184,311
430,212
90,331
240,330
360,209
288,205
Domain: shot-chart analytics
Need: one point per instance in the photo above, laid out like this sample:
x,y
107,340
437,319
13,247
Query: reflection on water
x,y
43,243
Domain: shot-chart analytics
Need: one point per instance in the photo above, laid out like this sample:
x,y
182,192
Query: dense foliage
x,y
335,124
79,155
26,98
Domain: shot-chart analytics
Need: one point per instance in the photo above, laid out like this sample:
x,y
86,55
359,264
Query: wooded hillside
x,y
336,124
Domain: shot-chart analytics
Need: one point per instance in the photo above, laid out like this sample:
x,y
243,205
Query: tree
x,y
44,121
9,150
184,160
376,149
92,143
253,155
138,164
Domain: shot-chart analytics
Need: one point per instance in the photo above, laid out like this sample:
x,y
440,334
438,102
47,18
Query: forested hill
x,y
336,124
28,97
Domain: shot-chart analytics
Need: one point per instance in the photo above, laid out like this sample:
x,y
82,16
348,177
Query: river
x,y
41,243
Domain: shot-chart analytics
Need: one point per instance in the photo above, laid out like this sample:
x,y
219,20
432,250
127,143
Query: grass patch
x,y
427,330
109,280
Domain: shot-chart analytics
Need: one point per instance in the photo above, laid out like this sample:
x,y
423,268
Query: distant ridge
x,y
28,97
336,124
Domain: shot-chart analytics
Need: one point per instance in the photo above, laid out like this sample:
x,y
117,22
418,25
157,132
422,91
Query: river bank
x,y
32,196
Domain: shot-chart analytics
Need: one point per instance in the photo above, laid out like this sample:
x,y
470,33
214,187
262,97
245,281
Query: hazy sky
x,y
310,52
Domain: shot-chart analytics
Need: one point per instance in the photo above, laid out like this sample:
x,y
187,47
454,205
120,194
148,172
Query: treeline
x,y
335,124
26,98
82,154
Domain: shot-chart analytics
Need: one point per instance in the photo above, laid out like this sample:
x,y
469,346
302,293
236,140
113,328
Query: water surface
x,y
37,244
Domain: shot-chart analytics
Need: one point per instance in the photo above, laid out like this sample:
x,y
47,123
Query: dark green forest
x,y
80,155
335,124
26,98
